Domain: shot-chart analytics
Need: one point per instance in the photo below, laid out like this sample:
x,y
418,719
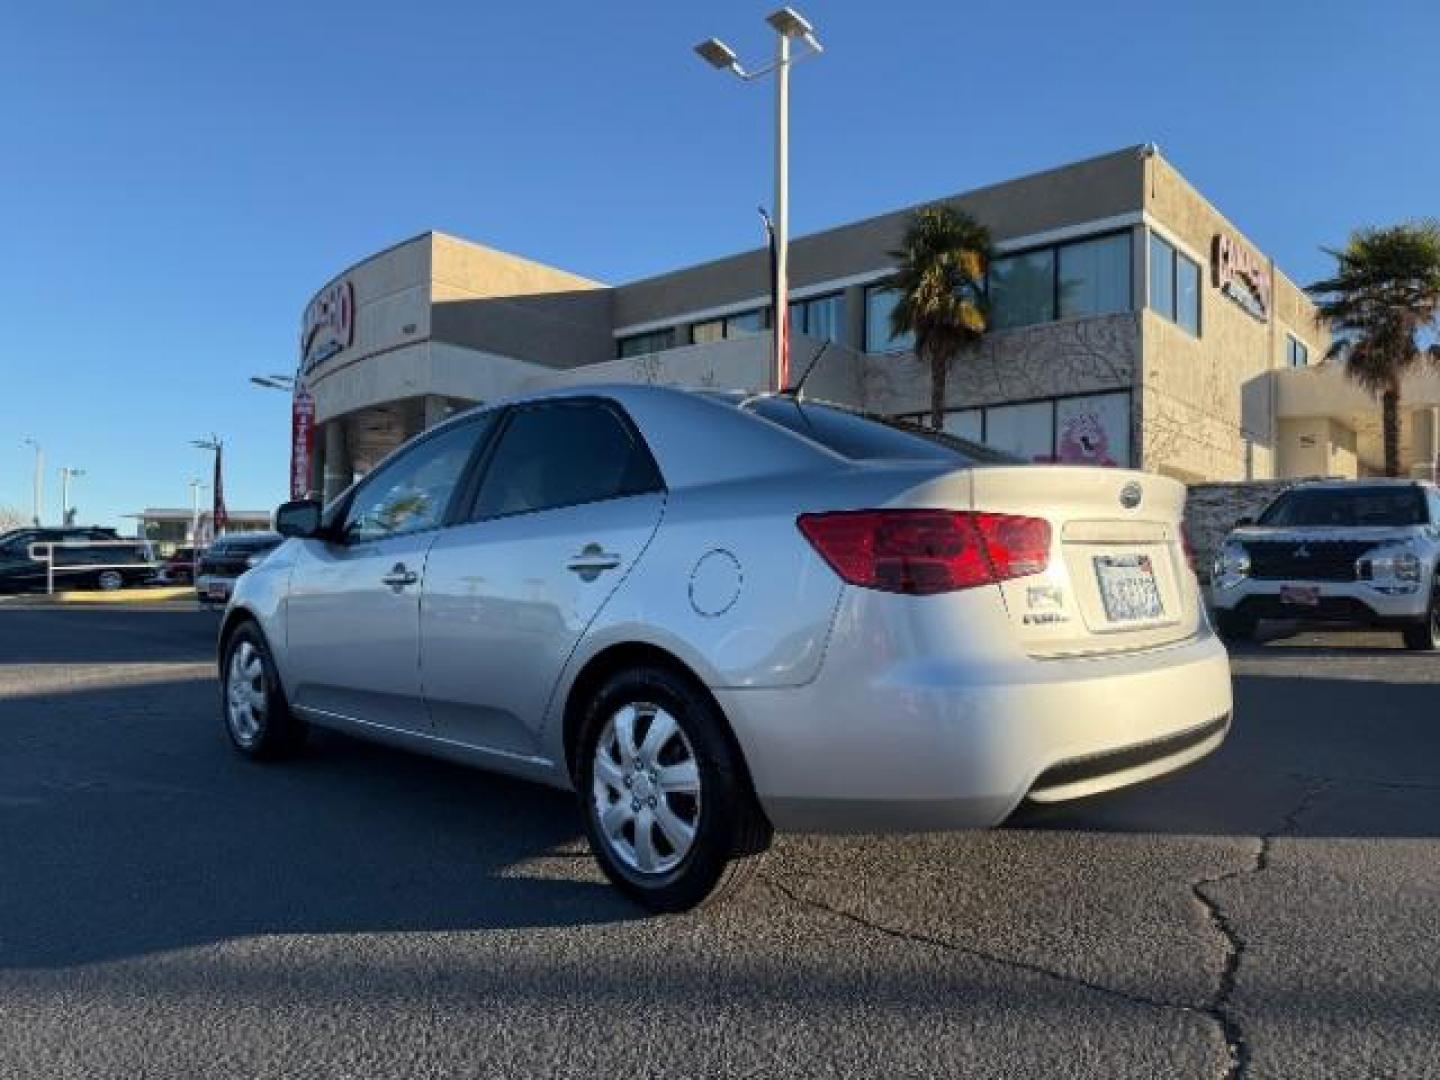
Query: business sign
x,y
302,442
1242,275
329,325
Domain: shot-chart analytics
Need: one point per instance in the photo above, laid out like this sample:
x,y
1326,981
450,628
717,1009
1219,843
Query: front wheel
x,y
257,717
666,803
1424,635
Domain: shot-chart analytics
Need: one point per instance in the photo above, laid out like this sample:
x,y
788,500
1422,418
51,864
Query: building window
x,y
1022,289
706,333
747,322
821,317
1087,429
1296,354
1094,277
879,302
644,344
1174,285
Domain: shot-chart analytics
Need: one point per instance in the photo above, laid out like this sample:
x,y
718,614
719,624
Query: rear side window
x,y
870,438
1347,508
564,454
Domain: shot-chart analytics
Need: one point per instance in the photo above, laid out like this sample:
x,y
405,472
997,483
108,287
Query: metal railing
x,y
49,547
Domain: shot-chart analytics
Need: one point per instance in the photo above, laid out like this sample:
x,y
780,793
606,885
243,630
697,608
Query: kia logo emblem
x,y
1130,495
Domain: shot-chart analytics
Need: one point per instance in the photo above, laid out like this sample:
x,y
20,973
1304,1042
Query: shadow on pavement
x,y
127,825
99,635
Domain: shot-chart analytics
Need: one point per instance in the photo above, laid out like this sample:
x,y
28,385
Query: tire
x,y
253,708
1233,627
110,581
1424,636
706,803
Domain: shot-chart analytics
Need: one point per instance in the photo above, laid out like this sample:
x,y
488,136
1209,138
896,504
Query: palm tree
x,y
1384,295
940,278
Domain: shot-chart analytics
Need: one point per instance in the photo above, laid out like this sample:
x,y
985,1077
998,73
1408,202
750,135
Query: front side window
x,y
1094,277
879,302
564,454
411,492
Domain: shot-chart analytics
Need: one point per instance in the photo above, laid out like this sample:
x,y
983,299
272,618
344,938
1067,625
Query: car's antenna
x,y
798,390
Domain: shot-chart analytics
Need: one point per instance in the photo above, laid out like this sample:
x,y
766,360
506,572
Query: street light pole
x,y
787,24
39,478
66,474
196,484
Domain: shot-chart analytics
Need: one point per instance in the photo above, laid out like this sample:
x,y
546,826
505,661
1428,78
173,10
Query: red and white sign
x,y
302,442
329,325
1242,275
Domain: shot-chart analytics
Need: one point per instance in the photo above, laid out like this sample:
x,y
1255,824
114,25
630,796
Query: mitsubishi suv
x,y
1344,551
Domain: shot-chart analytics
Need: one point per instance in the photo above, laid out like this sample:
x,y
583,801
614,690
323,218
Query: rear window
x,y
862,437
1346,508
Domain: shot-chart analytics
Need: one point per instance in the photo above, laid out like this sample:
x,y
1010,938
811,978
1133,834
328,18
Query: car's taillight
x,y
927,551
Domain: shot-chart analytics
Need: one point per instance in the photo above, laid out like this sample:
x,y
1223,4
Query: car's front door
x,y
353,611
568,501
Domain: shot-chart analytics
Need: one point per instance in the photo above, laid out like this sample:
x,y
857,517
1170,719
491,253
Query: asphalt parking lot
x,y
167,910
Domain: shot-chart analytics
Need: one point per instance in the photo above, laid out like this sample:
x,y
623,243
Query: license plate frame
x,y
1129,591
1304,596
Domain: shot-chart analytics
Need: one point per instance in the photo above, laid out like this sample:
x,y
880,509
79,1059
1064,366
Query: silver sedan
x,y
715,615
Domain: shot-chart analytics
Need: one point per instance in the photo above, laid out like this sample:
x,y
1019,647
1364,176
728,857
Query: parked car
x,y
179,567
88,557
716,615
1364,553
222,563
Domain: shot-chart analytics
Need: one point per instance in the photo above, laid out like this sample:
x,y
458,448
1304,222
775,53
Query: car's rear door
x,y
353,611
568,500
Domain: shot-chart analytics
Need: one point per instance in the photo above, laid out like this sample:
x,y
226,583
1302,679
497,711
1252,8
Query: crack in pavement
x,y
1218,1007
915,938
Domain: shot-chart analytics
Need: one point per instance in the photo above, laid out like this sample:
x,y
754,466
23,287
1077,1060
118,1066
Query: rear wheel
x,y
110,580
1233,626
667,806
1424,636
257,717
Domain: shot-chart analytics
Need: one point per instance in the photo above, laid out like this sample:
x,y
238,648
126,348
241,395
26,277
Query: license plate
x,y
1300,595
1127,588
217,590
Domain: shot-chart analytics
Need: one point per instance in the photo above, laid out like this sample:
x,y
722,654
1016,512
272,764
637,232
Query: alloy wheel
x,y
646,789
245,693
110,580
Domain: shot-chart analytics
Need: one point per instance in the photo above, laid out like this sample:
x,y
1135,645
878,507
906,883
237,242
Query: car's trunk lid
x,y
1118,577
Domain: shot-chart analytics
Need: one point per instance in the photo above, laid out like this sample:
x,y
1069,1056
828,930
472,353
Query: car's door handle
x,y
399,577
591,560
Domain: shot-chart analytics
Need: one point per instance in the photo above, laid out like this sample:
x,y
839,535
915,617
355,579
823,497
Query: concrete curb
x,y
117,596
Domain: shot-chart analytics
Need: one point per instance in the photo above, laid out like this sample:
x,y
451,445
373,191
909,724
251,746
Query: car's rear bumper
x,y
870,747
1360,602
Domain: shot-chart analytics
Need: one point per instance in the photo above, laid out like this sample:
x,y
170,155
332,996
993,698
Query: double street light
x,y
789,25
275,382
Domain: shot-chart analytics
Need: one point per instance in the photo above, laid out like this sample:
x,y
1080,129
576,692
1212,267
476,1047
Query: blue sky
x,y
176,179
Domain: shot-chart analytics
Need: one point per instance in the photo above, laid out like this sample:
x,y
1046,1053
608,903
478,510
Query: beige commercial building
x,y
1132,324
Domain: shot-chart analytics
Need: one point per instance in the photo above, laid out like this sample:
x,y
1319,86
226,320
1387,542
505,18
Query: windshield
x,y
1346,508
862,437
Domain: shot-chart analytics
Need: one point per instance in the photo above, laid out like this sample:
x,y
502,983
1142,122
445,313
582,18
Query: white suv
x,y
1360,552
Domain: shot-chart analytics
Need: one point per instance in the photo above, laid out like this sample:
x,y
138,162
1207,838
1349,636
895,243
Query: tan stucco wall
x,y
1317,446
1208,403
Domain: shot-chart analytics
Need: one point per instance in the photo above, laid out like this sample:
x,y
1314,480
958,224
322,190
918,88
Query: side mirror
x,y
1240,523
299,518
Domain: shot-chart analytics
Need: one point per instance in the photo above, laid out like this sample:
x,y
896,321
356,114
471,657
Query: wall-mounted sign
x,y
329,325
302,442
1242,275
